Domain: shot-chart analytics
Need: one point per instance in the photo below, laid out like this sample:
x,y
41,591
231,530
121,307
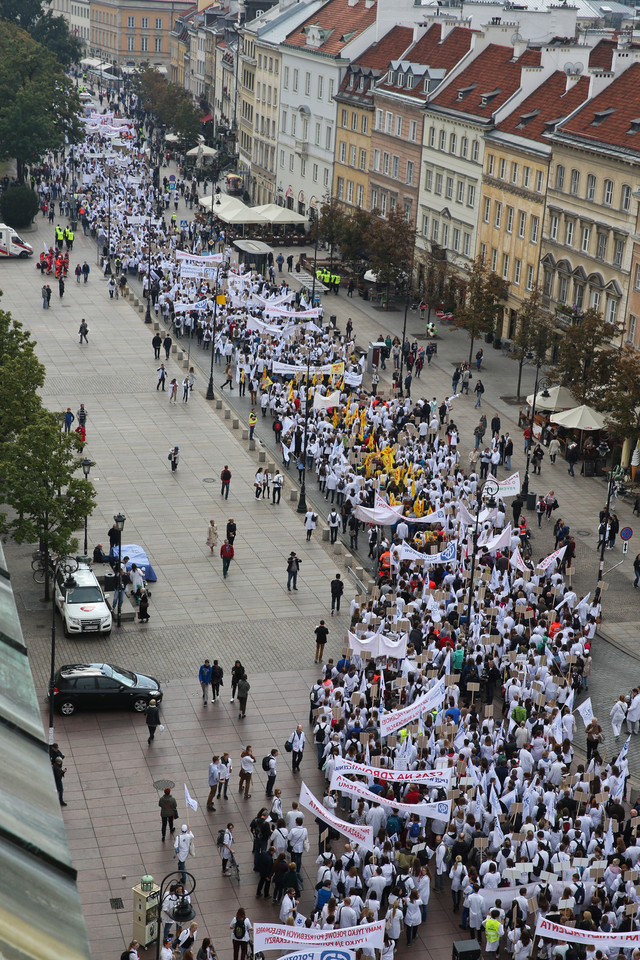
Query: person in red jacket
x,y
226,552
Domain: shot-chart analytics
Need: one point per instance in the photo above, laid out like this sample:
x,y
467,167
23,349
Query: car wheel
x,y
64,628
140,705
67,708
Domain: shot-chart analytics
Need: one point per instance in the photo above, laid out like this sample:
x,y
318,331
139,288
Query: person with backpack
x,y
269,764
224,841
320,736
241,929
260,831
131,953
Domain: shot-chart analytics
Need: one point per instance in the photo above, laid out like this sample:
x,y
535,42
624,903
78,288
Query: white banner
x,y
432,778
510,486
440,810
273,936
556,931
586,711
517,561
355,833
323,403
448,555
292,315
210,258
399,718
378,645
501,541
556,555
320,954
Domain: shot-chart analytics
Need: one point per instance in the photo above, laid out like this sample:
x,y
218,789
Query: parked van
x,y
11,244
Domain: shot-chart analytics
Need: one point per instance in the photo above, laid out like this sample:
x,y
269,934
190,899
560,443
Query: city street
x,y
112,818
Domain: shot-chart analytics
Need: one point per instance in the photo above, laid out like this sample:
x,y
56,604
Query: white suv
x,y
83,607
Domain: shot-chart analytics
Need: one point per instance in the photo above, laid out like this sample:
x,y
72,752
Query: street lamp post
x,y
539,387
302,499
86,469
69,582
490,489
604,451
183,912
210,394
119,520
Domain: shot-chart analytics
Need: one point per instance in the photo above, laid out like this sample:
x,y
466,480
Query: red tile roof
x,y
431,51
341,23
548,103
602,54
376,58
612,117
493,74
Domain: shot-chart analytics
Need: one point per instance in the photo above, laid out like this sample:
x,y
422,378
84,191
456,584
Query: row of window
x,y
505,272
534,225
349,192
144,22
606,197
602,240
315,170
395,125
516,173
562,291
388,203
460,240
144,44
439,184
266,94
364,121
264,156
466,150
301,130
79,11
270,63
354,156
295,81
389,166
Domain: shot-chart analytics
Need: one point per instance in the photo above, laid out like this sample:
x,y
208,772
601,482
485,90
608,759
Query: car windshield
x,y
84,595
119,674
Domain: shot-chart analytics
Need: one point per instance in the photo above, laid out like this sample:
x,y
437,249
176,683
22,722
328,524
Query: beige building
x,y
131,32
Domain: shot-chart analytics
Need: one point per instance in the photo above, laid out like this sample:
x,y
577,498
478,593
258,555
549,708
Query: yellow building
x,y
131,32
352,159
515,177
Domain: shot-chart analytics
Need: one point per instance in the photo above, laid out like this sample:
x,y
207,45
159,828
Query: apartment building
x,y
132,32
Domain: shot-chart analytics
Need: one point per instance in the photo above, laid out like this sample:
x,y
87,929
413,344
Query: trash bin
x,y
531,501
333,320
373,355
110,582
466,950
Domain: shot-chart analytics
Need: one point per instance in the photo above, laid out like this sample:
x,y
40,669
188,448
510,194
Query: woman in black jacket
x,y
152,719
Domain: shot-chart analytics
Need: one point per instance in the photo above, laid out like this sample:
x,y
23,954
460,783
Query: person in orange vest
x,y
385,563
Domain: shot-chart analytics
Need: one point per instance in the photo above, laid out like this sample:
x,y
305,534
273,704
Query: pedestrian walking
x,y
237,672
174,458
265,868
297,741
636,569
204,678
182,847
228,372
240,928
168,811
58,775
45,298
162,376
166,343
310,521
277,484
111,287
253,419
212,536
78,272
321,633
247,763
478,390
156,343
227,554
173,390
572,458
86,270
618,713
271,771
83,330
185,390
61,287
152,719
243,692
226,847
225,477
293,567
214,779
68,420
334,524
217,674
298,842
225,768
337,589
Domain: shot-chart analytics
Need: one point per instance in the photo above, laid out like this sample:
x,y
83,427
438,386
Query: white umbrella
x,y
219,202
204,151
559,399
272,213
579,418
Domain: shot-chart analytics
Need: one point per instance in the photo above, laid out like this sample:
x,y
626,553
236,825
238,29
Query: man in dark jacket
x,y
168,811
264,866
58,775
153,719
237,672
337,588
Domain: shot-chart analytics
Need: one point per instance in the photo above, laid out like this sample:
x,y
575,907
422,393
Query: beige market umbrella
x,y
559,399
579,418
272,213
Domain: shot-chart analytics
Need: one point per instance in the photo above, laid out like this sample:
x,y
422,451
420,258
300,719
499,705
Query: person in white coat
x,y
477,911
424,889
309,523
618,713
412,916
458,876
441,866
633,713
393,920
182,846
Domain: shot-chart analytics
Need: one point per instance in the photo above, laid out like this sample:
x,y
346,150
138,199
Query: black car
x,y
102,686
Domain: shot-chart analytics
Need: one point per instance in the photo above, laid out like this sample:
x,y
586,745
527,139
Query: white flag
x,y
497,829
188,799
586,711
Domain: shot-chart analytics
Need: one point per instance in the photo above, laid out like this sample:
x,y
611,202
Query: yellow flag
x,y
290,394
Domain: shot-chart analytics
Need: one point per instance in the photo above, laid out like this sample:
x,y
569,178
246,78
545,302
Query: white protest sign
x,y
358,834
274,936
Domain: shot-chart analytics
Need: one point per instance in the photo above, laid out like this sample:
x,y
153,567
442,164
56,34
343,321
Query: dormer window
x,y
486,98
463,91
634,126
409,81
601,115
400,81
527,118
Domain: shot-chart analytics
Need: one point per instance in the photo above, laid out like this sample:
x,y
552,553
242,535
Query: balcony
x,y
302,147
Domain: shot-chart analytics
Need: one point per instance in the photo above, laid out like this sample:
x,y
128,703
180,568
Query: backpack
x,y
579,894
125,955
319,737
265,763
239,931
220,837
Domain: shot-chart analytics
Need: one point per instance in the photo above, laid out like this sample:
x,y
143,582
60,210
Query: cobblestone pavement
x,y
195,613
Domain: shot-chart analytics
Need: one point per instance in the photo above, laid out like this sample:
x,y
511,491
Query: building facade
x,y
77,14
132,32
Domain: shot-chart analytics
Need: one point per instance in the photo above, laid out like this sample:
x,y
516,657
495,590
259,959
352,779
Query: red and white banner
x,y
556,555
440,810
556,931
274,936
361,835
432,778
311,314
210,258
510,486
517,561
399,718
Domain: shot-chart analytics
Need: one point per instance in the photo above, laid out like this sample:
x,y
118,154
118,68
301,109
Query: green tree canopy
x,y
169,103
622,396
482,303
39,106
391,248
49,30
534,333
47,500
21,375
587,357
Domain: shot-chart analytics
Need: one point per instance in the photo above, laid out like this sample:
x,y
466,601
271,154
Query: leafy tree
x,y
622,396
168,103
49,30
587,356
331,222
355,239
39,107
534,333
391,248
47,501
18,205
21,375
479,313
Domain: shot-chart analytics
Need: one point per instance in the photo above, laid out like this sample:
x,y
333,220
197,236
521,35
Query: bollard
x,y
262,456
252,444
245,434
235,424
293,495
218,404
227,413
325,535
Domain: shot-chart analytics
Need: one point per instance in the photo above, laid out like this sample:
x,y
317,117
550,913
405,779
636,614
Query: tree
x,y
48,502
587,356
168,103
392,246
51,31
355,240
622,396
39,106
21,375
331,223
479,313
534,333
18,205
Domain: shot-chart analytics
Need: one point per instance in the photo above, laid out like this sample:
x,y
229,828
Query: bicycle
x,y
232,869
